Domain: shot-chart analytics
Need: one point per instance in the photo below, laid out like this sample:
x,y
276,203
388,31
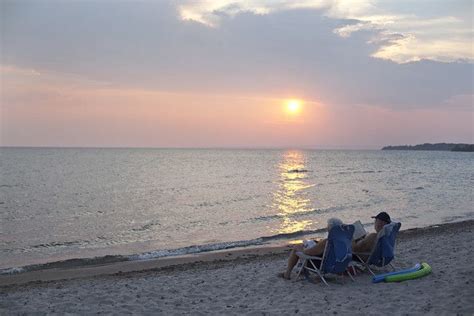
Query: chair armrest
x,y
305,256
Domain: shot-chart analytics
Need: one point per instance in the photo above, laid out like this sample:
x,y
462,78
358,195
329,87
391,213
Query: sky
x,y
363,74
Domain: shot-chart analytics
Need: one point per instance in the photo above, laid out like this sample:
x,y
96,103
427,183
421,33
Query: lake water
x,y
58,204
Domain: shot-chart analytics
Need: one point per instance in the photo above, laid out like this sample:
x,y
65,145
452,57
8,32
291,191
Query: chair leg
x,y
365,265
323,279
353,268
370,270
391,265
301,270
352,278
350,275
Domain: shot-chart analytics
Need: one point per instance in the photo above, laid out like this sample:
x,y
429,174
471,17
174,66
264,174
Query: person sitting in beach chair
x,y
366,243
336,257
316,250
377,248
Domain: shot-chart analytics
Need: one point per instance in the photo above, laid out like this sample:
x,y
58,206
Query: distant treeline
x,y
439,146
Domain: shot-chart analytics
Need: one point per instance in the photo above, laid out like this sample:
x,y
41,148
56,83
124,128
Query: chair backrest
x,y
338,252
384,250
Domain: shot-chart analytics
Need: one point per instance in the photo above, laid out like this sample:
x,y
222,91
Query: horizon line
x,y
189,148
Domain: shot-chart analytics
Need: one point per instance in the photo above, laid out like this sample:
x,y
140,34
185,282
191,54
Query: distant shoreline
x,y
460,147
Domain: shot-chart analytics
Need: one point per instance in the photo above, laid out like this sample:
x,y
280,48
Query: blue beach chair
x,y
384,250
336,257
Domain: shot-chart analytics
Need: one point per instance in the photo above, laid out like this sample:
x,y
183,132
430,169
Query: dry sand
x,y
247,284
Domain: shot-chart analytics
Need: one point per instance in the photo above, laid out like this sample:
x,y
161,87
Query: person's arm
x,y
366,244
316,250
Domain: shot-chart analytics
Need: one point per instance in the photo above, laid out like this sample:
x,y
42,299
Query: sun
x,y
293,106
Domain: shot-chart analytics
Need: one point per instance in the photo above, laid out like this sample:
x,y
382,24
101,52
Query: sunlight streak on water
x,y
292,196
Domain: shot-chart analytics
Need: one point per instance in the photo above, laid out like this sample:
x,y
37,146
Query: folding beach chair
x,y
336,257
384,250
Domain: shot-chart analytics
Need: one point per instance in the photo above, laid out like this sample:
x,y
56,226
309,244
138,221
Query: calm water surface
x,y
58,204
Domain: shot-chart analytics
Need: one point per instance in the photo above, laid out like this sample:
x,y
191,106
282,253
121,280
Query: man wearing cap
x,y
367,243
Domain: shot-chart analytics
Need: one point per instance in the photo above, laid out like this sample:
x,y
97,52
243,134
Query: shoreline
x,y
197,249
190,261
246,283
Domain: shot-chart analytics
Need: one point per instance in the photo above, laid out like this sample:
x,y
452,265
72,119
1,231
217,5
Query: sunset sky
x,y
300,74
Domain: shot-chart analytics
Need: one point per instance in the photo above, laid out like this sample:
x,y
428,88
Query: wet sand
x,y
244,281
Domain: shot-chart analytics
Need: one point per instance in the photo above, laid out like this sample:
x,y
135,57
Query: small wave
x,y
59,244
195,249
419,188
450,219
297,171
146,227
12,271
266,218
359,172
296,214
223,202
293,234
8,185
221,246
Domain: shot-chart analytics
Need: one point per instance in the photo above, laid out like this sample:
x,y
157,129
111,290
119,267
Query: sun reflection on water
x,y
291,197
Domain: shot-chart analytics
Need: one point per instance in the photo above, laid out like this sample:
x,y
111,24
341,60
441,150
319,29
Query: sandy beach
x,y
246,282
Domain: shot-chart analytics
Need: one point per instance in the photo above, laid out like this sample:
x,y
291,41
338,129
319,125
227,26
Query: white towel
x,y
307,244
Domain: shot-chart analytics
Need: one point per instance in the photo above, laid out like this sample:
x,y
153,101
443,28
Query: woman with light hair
x,y
316,250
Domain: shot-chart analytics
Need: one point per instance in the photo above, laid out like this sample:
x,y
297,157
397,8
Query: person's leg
x,y
292,261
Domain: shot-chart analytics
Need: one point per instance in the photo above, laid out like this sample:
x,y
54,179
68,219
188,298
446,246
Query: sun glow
x,y
293,106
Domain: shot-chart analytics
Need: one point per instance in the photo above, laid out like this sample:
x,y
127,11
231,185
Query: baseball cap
x,y
383,216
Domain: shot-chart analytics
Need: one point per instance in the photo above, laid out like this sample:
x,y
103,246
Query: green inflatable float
x,y
424,271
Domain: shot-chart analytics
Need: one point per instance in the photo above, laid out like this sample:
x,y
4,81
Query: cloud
x,y
438,37
13,70
294,49
210,12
